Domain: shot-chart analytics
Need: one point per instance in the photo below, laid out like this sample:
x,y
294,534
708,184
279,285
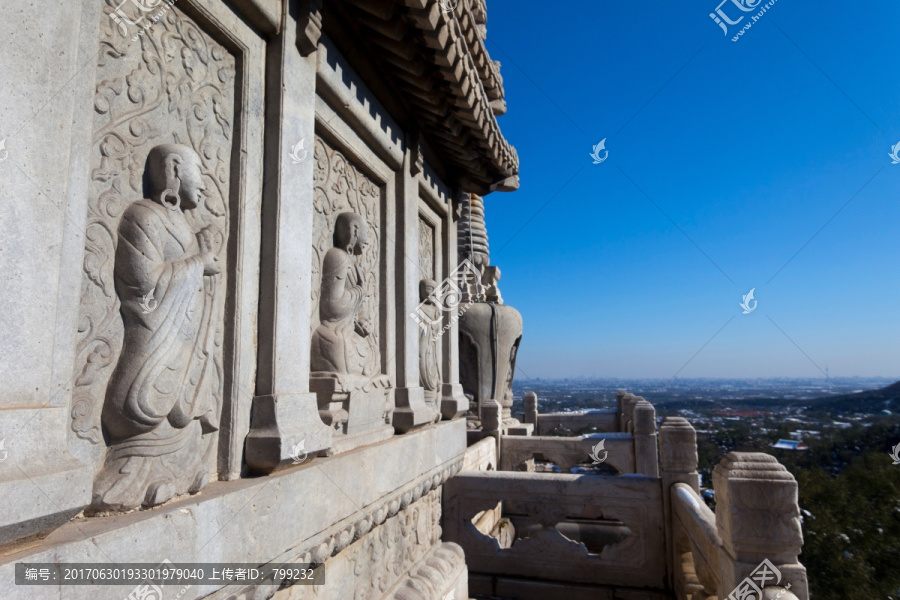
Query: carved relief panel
x,y
341,189
426,250
150,372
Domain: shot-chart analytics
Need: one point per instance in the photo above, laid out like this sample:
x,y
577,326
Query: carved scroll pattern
x,y
340,187
426,250
172,85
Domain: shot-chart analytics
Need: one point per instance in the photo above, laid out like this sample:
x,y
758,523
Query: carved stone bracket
x,y
309,26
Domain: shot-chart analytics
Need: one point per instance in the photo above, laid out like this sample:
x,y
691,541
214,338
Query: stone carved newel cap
x,y
761,496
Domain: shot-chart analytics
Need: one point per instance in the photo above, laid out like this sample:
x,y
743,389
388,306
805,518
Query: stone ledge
x,y
262,14
275,517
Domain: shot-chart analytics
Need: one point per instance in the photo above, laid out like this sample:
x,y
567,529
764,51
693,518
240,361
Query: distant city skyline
x,y
760,164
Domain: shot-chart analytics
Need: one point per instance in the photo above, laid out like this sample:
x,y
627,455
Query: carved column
x,y
678,453
284,412
42,484
758,520
645,454
454,403
678,464
625,402
492,422
411,409
531,408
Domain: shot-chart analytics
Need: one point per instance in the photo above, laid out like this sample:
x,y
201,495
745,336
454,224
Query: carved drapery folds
x,y
341,188
172,85
354,397
430,329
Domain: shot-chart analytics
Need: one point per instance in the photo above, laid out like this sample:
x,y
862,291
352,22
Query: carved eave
x,y
438,63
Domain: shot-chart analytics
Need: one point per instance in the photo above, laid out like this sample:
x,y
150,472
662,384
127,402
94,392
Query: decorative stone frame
x,y
63,459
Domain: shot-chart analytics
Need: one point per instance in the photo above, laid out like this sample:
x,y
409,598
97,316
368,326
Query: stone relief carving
x,y
159,411
174,85
426,249
344,342
354,396
341,189
430,343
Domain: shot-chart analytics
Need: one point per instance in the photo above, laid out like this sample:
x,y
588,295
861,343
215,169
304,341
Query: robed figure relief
x,y
429,343
159,412
344,341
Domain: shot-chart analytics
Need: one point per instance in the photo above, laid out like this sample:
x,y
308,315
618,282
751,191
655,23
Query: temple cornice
x,y
434,54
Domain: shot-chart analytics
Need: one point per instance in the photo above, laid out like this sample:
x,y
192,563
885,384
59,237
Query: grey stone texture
x,y
200,353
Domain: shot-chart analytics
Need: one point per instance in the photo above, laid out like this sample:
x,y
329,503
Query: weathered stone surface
x,y
567,452
481,456
284,411
263,370
281,517
758,519
579,423
345,340
616,523
485,373
161,405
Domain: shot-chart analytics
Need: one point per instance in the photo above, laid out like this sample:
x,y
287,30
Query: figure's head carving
x,y
172,176
426,288
350,233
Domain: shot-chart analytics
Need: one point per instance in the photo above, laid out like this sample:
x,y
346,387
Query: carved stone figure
x,y
159,411
353,396
429,343
343,341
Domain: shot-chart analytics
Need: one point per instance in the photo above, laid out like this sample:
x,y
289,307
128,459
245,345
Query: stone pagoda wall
x,y
186,422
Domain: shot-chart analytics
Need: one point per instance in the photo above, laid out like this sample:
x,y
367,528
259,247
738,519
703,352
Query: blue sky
x,y
744,151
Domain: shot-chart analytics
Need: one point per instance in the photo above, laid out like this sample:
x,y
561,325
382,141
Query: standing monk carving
x,y
160,409
430,331
344,342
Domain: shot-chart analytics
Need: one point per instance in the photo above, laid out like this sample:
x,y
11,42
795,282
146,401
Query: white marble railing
x,y
751,542
696,544
557,527
624,439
